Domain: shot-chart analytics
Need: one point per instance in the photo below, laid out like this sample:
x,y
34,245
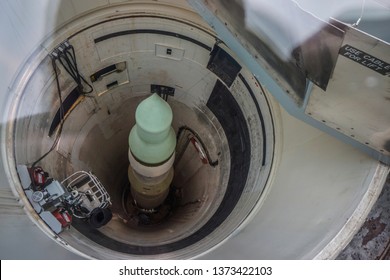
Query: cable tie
x,y
54,54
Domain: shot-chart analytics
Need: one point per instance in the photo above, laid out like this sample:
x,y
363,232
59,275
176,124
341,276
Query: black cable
x,y
186,128
61,116
68,60
67,66
66,55
29,187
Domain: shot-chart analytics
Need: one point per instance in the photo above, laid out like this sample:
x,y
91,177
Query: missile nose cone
x,y
152,140
153,117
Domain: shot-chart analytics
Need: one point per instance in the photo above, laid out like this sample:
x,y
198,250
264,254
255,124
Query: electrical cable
x,y
57,138
179,135
29,187
67,58
66,55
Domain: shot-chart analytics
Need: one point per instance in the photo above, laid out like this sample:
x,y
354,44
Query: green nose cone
x,y
152,140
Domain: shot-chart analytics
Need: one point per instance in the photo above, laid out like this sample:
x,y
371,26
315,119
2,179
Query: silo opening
x,y
221,119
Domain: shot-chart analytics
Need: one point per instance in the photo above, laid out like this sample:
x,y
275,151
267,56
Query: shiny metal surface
x,y
354,96
357,100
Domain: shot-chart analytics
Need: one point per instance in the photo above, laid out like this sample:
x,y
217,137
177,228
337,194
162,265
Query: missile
x,y
152,143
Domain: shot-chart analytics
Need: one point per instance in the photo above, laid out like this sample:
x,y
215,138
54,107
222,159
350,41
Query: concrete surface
x,y
372,242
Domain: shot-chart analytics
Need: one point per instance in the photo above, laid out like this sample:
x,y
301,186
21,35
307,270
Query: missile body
x,y
152,143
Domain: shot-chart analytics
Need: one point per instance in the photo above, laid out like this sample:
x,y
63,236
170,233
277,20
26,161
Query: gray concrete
x,y
24,240
373,239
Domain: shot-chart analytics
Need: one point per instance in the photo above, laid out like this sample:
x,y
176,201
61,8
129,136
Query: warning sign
x,y
366,59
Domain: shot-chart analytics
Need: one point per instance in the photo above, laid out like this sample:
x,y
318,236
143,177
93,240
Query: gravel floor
x,y
372,242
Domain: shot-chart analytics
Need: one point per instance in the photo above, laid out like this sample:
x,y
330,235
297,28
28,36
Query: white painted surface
x,y
319,183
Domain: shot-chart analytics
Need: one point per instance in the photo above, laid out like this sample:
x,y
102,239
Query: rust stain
x,y
375,227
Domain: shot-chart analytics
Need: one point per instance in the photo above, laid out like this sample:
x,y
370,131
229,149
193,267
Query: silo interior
x,y
249,178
